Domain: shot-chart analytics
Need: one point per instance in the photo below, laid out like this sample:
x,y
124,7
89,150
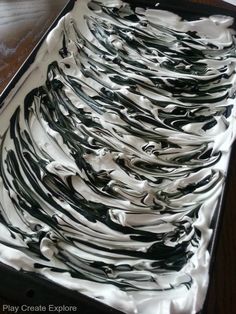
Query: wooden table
x,y
22,23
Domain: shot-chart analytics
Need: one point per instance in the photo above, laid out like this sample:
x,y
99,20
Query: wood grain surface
x,y
22,23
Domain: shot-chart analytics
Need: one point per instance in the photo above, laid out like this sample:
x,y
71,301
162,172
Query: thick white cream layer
x,y
113,165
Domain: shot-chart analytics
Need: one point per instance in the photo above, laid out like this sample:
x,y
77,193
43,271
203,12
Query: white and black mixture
x,y
115,155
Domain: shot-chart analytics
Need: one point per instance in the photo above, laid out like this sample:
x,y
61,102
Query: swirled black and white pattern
x,y
112,167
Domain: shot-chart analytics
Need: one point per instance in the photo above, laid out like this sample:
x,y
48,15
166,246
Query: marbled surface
x,y
229,235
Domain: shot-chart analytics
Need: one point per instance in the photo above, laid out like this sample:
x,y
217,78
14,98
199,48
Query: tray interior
x,y
32,289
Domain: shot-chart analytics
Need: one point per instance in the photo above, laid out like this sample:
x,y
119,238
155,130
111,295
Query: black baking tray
x,y
19,287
